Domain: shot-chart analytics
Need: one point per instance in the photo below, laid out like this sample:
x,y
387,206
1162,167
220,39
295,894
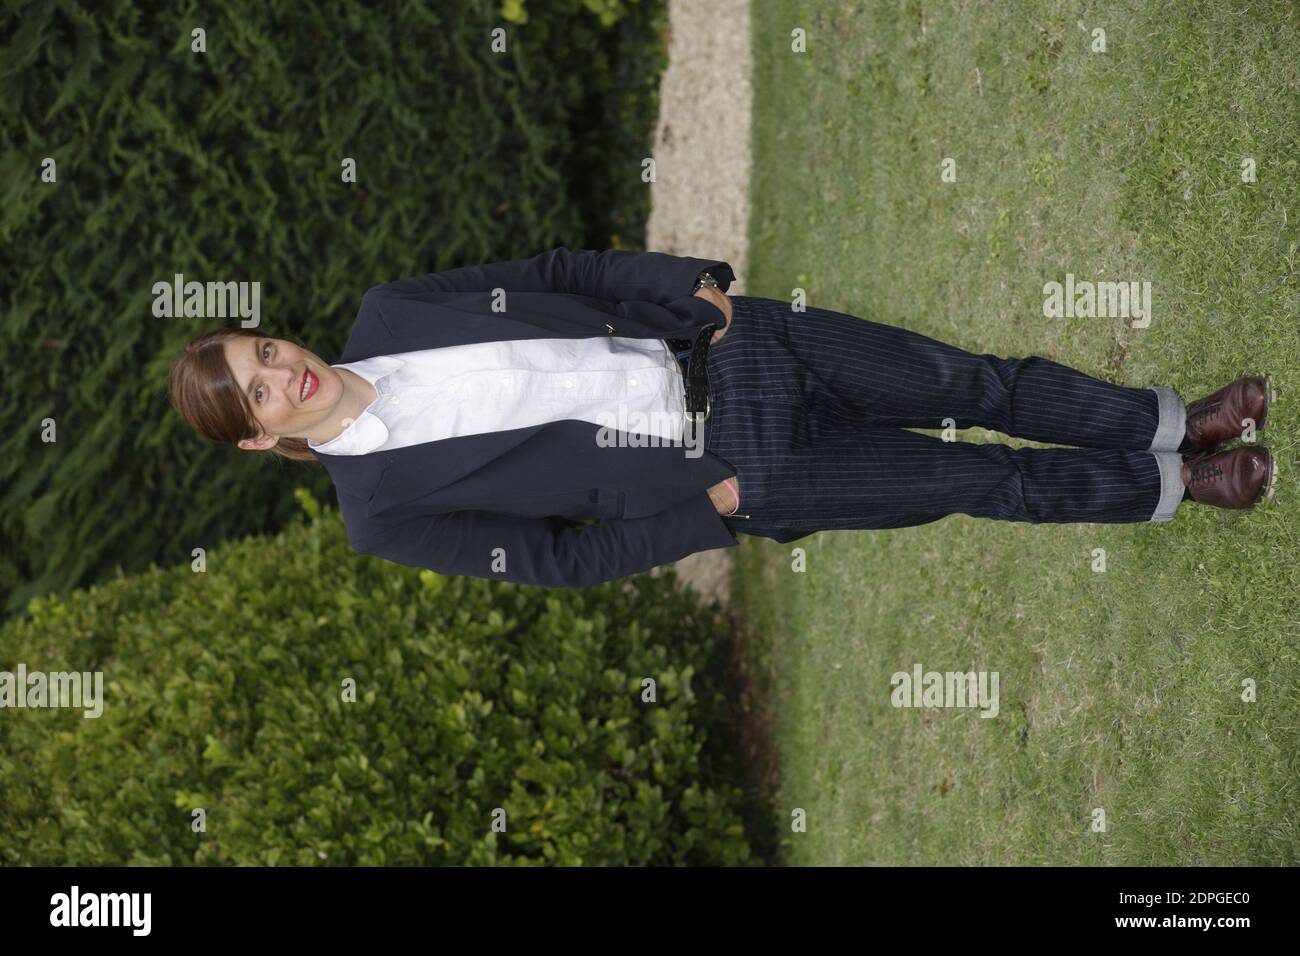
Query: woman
x,y
479,417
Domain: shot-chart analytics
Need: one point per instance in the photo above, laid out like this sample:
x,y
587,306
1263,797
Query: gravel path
x,y
700,199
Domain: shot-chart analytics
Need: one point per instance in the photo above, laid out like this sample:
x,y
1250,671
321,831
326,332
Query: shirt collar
x,y
368,432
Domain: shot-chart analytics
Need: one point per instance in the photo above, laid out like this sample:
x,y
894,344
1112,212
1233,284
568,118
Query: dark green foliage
x,y
225,166
223,691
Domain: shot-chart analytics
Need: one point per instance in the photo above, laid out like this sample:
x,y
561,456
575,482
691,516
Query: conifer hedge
x,y
226,165
225,693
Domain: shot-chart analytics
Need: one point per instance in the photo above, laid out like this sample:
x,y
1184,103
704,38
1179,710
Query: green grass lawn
x,y
1119,690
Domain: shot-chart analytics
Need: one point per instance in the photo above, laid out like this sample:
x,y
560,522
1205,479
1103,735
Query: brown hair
x,y
204,392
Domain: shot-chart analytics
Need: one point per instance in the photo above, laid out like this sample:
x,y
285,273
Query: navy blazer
x,y
496,505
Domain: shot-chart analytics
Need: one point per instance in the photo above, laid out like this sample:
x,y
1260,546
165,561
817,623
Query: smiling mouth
x,y
310,383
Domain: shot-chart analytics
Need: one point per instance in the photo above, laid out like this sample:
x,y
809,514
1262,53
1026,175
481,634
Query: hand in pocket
x,y
723,302
725,496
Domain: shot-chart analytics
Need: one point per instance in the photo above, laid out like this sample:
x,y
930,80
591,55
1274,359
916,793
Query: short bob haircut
x,y
205,394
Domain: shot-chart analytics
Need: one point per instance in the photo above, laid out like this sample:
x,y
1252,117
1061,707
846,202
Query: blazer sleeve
x,y
615,275
550,551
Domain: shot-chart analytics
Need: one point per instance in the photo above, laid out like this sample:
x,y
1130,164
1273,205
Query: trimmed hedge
x,y
225,166
223,691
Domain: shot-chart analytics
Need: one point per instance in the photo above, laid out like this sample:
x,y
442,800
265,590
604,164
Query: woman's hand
x,y
725,496
720,299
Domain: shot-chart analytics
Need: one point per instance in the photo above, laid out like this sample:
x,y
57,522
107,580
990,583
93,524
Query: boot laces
x,y
1205,471
1197,417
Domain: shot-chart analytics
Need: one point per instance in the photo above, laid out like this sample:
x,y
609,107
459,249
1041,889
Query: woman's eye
x,y
257,391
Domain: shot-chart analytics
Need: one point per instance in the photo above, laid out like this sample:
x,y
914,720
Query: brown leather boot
x,y
1236,478
1216,418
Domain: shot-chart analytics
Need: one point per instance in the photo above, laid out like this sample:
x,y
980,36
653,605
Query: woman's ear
x,y
260,443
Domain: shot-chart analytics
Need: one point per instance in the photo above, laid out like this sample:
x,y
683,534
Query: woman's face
x,y
272,373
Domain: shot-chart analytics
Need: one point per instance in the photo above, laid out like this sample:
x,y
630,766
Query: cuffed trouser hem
x,y
1171,484
1173,420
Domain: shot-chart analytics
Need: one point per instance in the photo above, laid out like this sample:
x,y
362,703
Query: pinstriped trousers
x,y
813,408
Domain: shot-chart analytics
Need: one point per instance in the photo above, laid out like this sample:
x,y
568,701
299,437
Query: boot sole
x,y
1270,484
1270,397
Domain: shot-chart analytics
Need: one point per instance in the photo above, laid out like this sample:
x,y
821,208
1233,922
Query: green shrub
x,y
223,691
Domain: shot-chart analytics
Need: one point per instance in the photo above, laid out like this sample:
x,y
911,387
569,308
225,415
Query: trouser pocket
x,y
738,495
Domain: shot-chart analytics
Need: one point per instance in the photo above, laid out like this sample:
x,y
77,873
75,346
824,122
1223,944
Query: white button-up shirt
x,y
634,385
